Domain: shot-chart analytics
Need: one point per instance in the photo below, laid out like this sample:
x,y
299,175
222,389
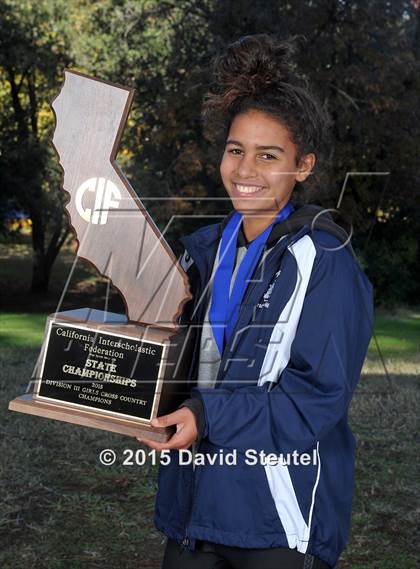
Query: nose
x,y
246,168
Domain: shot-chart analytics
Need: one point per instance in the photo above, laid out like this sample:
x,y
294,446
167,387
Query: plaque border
x,y
87,408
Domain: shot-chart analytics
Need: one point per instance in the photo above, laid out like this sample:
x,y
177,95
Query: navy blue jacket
x,y
284,387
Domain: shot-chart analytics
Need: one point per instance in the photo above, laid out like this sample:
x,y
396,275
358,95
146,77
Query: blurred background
x,y
60,507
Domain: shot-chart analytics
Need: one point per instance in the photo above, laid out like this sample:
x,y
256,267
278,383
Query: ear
x,y
306,165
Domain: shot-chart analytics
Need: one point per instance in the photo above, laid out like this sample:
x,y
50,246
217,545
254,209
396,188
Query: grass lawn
x,y
396,335
21,330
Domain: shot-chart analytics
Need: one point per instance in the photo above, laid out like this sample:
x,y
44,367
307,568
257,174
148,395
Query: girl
x,y
284,313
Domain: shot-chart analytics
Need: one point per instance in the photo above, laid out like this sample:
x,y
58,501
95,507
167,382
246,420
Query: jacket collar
x,y
314,216
202,243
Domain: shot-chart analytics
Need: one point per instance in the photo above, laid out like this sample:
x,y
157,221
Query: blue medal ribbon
x,y
225,307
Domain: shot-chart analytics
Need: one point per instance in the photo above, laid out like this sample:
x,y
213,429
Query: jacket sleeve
x,y
314,390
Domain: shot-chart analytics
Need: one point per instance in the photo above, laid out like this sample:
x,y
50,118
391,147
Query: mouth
x,y
247,189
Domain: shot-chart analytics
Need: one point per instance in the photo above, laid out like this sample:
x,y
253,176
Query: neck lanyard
x,y
225,306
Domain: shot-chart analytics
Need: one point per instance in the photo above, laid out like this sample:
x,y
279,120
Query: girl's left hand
x,y
186,430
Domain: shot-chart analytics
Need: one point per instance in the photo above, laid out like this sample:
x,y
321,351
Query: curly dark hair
x,y
257,72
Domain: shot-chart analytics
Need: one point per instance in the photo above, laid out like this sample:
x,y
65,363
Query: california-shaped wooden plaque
x,y
114,231
107,371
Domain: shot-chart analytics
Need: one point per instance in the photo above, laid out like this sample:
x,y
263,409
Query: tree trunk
x,y
43,264
40,274
40,277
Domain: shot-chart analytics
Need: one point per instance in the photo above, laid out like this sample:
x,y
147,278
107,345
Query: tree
x,y
32,56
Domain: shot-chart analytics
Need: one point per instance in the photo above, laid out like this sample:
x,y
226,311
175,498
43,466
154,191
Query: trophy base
x,y
29,404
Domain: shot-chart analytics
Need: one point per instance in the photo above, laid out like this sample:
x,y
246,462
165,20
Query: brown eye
x,y
271,157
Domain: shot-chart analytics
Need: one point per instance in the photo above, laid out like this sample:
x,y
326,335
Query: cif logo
x,y
107,196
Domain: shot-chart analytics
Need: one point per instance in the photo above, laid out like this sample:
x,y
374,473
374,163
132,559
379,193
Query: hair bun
x,y
255,63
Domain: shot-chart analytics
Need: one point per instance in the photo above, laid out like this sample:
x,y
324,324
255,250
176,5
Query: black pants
x,y
214,556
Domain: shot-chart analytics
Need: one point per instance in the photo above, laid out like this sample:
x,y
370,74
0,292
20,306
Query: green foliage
x,y
32,57
392,267
362,58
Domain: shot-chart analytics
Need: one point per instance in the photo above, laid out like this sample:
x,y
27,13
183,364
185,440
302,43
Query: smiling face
x,y
259,168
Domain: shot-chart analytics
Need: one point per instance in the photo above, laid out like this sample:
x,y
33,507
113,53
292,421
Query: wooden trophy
x,y
99,369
